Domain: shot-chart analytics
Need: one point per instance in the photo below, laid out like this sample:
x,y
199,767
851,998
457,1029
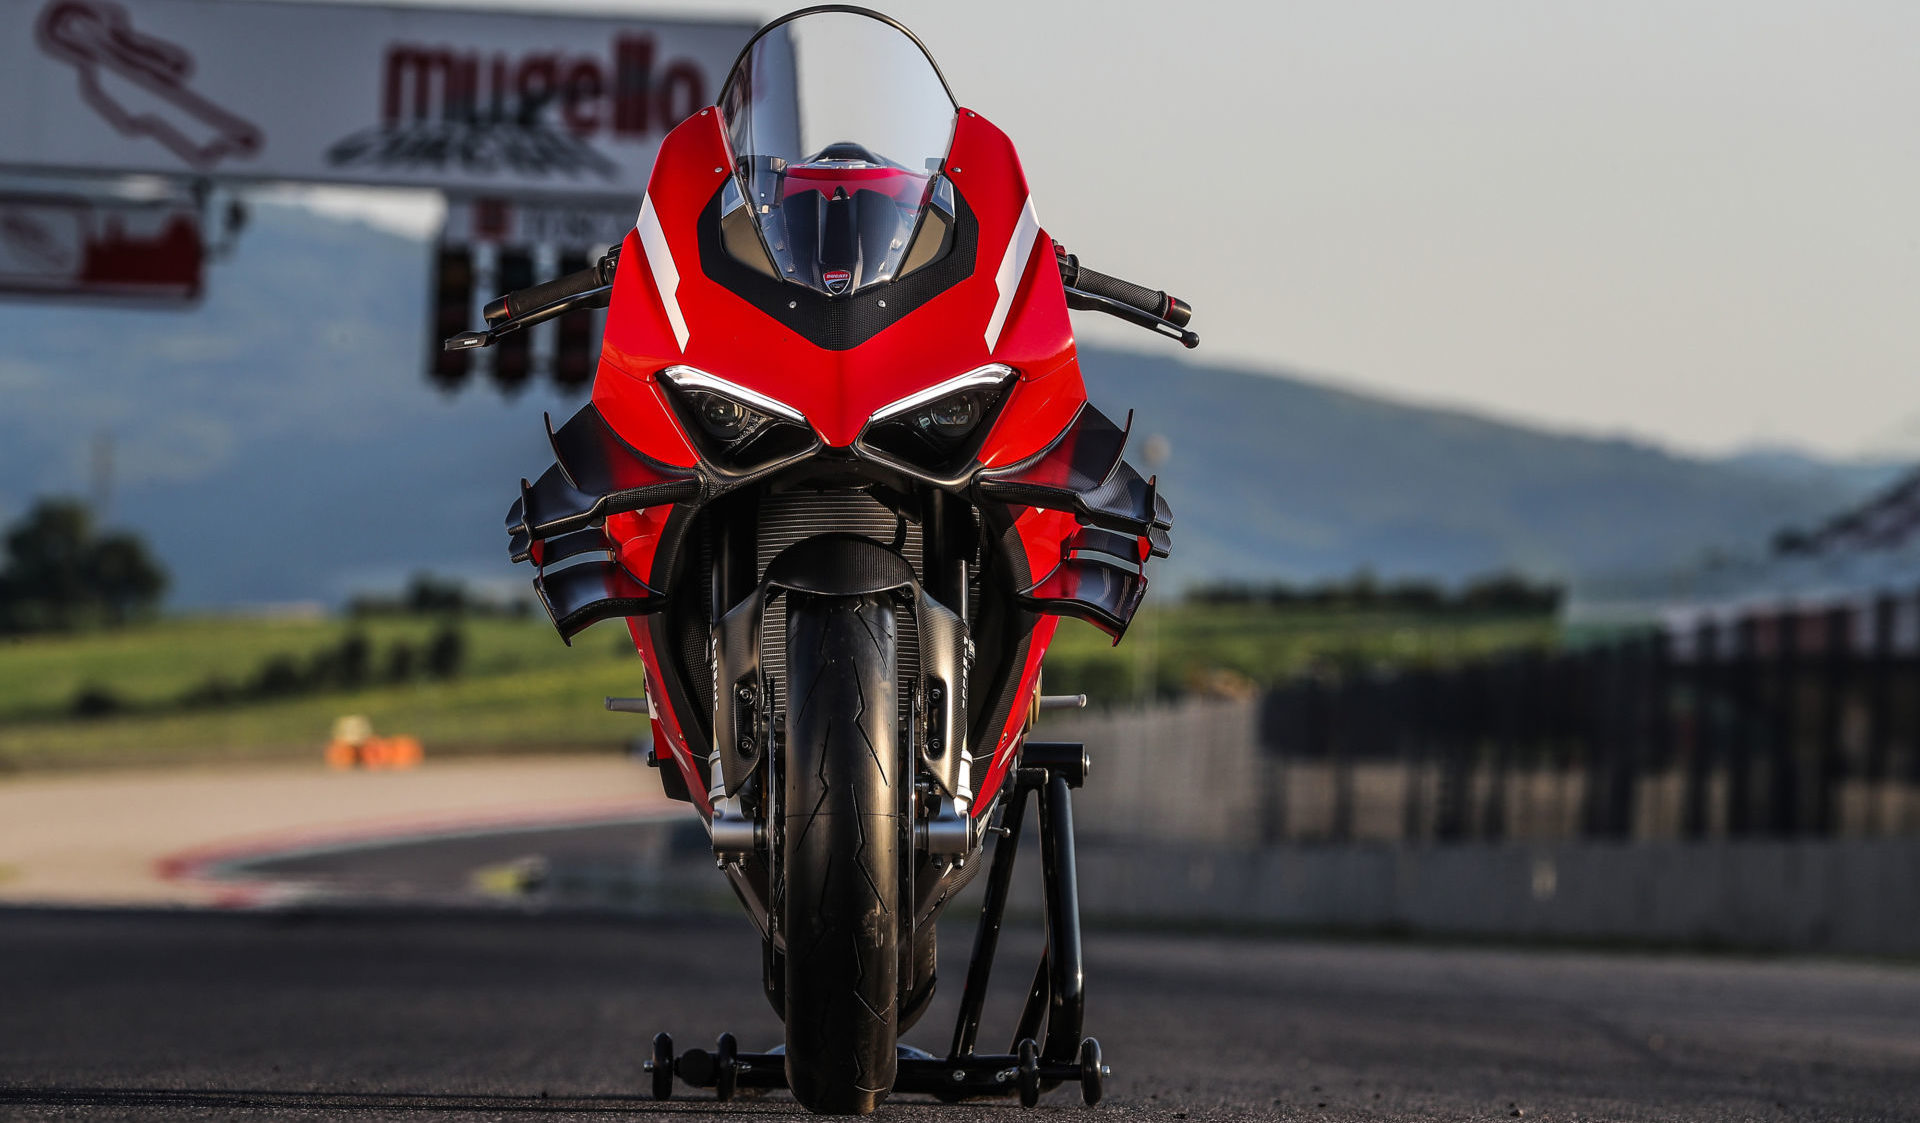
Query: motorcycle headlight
x,y
942,425
725,419
731,424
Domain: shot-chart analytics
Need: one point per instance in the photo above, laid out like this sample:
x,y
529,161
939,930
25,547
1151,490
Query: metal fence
x,y
1777,724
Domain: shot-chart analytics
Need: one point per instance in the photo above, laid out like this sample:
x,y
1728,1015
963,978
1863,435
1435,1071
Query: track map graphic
x,y
140,83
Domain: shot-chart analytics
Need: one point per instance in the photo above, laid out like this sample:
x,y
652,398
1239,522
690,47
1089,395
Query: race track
x,y
389,1014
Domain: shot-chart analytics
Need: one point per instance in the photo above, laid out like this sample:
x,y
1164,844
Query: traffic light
x,y
510,358
513,353
573,350
452,308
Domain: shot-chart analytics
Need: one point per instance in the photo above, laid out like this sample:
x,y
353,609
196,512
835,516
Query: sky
x,y
1690,222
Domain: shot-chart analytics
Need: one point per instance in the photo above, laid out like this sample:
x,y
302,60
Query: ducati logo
x,y
837,280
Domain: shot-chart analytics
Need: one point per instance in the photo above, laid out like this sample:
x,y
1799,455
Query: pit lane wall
x,y
1179,825
1852,897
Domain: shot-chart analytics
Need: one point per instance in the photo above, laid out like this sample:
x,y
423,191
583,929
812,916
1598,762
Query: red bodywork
x,y
837,390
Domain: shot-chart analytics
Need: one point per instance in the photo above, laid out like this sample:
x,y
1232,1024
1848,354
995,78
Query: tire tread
x,y
842,854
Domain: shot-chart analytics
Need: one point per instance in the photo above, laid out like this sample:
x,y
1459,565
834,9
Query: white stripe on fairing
x,y
666,278
1012,267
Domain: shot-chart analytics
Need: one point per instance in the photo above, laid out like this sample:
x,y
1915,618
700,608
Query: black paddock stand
x,y
1056,1004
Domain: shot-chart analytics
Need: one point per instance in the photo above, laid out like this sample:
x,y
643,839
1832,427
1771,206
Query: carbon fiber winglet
x,y
558,517
580,596
1082,472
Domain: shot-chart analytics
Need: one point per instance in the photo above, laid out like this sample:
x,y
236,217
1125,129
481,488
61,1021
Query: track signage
x,y
481,102
100,247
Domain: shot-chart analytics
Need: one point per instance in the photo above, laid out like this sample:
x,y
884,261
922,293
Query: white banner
x,y
423,97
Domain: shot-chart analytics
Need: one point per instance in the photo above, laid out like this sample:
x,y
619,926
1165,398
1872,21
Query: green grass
x,y
522,689
1196,647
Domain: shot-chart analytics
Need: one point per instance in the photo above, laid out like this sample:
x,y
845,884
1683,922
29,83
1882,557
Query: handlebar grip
x,y
1151,301
522,301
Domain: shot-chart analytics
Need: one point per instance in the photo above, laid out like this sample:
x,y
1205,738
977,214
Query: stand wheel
x,y
661,1066
1029,1072
726,1067
1093,1073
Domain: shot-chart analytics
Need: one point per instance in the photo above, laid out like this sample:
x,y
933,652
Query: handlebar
x,y
523,308
520,302
1150,308
1087,290
1151,301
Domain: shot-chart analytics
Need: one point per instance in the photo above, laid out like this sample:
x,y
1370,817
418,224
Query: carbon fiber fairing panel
x,y
581,595
595,474
597,461
1101,580
558,516
1079,460
1082,472
560,547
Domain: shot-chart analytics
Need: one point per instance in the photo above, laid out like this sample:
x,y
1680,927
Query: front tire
x,y
844,830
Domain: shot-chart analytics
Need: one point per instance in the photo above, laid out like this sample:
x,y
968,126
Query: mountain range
x,y
279,443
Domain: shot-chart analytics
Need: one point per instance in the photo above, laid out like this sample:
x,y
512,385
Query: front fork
x,y
745,725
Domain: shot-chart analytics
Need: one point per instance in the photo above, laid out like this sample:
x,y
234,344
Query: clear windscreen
x,y
839,123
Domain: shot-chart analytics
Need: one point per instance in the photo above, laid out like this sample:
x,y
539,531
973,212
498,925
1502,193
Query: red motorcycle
x,y
840,478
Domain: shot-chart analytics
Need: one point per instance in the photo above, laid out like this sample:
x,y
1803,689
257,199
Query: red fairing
x,y
624,389
666,724
637,535
1008,746
727,336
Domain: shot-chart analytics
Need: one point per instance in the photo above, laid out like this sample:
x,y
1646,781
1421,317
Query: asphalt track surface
x,y
385,1013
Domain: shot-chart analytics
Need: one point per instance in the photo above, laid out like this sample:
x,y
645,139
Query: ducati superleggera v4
x,y
840,478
